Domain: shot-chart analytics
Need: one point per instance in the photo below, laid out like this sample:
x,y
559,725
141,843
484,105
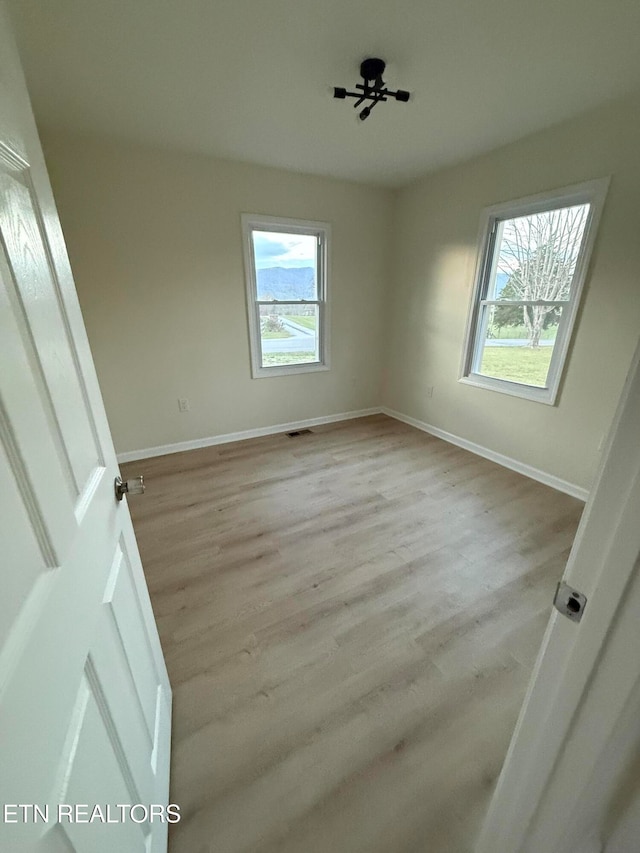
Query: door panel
x,y
31,444
38,294
23,549
91,733
85,703
125,615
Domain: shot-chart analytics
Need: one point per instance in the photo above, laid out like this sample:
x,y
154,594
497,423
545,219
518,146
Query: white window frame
x,y
322,230
590,192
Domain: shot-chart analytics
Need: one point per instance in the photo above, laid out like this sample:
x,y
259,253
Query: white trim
x,y
592,192
493,455
258,432
504,386
287,226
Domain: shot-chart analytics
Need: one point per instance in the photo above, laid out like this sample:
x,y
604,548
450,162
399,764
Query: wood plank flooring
x,y
349,619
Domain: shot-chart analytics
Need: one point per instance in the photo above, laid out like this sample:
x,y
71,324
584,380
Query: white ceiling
x,y
251,79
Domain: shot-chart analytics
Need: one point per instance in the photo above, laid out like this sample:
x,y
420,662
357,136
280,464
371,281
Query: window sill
x,y
288,370
513,389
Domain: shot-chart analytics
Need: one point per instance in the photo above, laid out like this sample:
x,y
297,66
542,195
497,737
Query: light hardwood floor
x,y
349,620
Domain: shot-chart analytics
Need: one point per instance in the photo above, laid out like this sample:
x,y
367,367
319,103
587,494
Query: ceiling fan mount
x,y
372,69
373,89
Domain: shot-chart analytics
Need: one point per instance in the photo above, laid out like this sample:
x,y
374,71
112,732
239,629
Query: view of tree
x,y
271,323
510,316
539,254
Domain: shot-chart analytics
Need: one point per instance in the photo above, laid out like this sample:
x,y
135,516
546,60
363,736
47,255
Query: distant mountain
x,y
286,283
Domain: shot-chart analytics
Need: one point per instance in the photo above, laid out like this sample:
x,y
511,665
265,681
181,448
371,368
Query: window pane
x,y
286,265
289,334
537,254
518,342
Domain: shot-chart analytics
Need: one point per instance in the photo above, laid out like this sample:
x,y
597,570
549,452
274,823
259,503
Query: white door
x,y
570,782
84,696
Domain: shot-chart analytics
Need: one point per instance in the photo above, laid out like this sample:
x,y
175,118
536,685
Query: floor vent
x,y
297,432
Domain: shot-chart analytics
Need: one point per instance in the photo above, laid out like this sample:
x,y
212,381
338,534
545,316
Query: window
x,y
286,270
532,265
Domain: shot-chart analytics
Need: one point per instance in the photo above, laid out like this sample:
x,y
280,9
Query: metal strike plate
x,y
129,487
570,602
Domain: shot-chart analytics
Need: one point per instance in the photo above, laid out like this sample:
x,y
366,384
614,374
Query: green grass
x,y
270,359
518,364
269,336
309,322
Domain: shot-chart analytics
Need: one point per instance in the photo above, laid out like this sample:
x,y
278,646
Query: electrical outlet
x,y
183,404
429,390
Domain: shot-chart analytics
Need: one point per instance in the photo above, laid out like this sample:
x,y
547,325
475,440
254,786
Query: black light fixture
x,y
373,89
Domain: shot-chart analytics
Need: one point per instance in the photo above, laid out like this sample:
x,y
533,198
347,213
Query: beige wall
x,y
436,229
155,245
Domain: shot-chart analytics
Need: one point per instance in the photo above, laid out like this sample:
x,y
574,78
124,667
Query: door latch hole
x,y
570,602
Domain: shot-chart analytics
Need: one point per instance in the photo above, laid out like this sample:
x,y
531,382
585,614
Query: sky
x,y
274,249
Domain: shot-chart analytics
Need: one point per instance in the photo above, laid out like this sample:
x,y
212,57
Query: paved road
x,y
302,340
295,344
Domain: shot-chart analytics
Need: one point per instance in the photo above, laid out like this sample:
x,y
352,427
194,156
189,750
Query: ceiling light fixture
x,y
373,89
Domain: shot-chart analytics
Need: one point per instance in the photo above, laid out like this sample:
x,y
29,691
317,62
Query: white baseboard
x,y
506,461
194,444
501,459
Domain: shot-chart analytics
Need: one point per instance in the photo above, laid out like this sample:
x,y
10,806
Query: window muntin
x,y
286,265
534,259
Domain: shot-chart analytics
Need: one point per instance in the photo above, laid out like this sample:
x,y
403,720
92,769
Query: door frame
x,y
566,751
